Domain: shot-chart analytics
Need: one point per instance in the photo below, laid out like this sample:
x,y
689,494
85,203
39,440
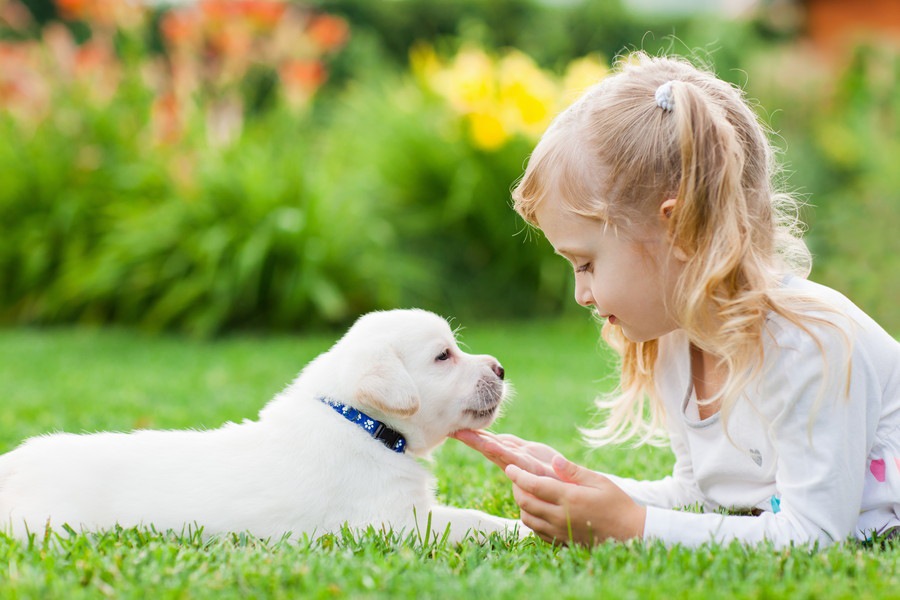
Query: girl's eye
x,y
585,268
443,355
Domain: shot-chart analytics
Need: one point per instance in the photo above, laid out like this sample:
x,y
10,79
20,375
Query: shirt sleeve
x,y
674,491
820,437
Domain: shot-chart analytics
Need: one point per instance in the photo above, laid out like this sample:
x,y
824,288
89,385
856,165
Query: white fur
x,y
300,468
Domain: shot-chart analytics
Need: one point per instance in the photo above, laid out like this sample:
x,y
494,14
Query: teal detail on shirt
x,y
775,501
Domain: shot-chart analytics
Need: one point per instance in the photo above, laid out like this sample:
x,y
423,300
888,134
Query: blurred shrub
x,y
206,188
856,187
442,150
840,131
203,169
155,190
552,33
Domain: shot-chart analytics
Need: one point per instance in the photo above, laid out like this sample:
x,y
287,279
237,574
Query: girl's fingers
x,y
482,441
497,451
506,449
538,452
473,439
504,457
545,489
540,527
534,506
529,464
510,439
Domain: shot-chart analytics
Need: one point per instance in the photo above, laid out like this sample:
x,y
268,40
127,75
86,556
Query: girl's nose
x,y
583,295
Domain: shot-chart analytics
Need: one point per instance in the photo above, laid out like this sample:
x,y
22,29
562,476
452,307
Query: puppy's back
x,y
101,479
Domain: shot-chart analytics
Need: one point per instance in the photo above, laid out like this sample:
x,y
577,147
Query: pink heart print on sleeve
x,y
877,468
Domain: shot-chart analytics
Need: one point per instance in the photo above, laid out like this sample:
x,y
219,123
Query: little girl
x,y
779,397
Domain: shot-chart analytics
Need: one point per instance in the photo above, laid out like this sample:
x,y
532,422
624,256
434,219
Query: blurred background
x,y
216,166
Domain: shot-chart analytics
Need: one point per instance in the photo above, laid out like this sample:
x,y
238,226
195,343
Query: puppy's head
x,y
404,367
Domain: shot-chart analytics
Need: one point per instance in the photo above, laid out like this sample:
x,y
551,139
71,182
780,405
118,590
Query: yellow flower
x,y
487,130
527,94
500,98
469,82
581,74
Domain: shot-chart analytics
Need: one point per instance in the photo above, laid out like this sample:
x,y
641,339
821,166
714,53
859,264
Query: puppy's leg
x,y
465,521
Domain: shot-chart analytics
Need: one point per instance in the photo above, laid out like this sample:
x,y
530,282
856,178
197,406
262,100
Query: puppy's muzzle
x,y
489,393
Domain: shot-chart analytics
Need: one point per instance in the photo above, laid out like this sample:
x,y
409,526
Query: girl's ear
x,y
666,209
666,212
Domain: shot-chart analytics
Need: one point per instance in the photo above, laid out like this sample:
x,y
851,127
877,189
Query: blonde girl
x,y
780,398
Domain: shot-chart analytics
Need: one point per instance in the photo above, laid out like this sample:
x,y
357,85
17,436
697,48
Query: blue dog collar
x,y
391,438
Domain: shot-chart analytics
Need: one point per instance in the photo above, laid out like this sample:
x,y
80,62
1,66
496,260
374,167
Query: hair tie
x,y
664,98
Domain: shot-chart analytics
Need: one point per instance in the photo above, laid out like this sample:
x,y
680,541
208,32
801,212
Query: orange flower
x,y
216,10
103,13
11,82
91,57
15,15
24,88
166,118
15,53
231,40
261,14
265,15
303,74
300,79
179,26
75,9
328,32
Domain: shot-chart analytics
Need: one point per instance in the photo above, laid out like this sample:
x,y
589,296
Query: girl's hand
x,y
561,501
575,505
505,449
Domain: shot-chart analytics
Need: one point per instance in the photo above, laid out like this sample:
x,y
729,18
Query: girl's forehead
x,y
568,228
558,208
560,222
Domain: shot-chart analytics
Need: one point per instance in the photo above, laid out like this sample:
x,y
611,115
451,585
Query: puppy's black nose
x,y
498,369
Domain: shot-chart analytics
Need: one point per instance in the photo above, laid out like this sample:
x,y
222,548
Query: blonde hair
x,y
615,155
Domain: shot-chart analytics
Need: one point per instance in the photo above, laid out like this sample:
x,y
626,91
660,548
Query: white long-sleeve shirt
x,y
818,459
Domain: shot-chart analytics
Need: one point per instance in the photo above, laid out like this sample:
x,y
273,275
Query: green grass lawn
x,y
88,380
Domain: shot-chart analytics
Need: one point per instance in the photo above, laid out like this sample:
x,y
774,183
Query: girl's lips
x,y
611,319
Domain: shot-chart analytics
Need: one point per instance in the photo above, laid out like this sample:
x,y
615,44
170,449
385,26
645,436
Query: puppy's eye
x,y
445,355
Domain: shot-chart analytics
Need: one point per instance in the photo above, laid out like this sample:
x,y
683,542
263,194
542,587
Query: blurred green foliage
x,y
194,216
552,33
366,191
840,132
857,144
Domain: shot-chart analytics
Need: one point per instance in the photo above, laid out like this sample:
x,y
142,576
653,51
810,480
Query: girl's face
x,y
628,280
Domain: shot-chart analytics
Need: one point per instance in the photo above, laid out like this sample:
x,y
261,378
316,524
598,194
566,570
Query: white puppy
x,y
314,460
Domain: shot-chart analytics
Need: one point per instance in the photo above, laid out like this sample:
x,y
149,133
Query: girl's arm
x,y
676,490
505,449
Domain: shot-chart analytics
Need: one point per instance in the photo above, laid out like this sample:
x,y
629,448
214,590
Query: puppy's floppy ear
x,y
386,385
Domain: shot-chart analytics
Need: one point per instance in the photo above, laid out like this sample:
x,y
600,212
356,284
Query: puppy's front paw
x,y
520,529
